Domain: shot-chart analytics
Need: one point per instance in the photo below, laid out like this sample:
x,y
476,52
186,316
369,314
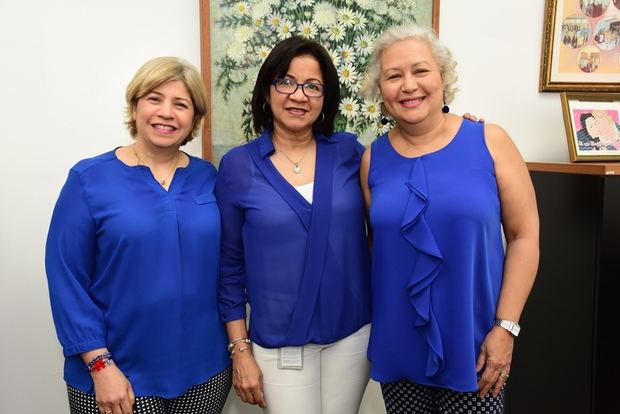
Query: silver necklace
x,y
296,165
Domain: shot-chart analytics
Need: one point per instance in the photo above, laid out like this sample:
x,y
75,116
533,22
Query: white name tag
x,y
291,357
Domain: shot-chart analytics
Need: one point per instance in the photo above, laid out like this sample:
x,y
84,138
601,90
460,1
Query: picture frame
x,y
580,46
228,43
592,123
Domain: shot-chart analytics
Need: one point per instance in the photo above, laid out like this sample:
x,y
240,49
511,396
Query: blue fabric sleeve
x,y
231,288
69,260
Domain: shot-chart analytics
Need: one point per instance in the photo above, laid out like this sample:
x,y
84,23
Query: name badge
x,y
291,357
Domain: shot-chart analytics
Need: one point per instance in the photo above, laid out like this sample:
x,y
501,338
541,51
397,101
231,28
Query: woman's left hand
x,y
473,117
494,361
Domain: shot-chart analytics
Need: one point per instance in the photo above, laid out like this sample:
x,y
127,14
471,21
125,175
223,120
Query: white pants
x,y
332,381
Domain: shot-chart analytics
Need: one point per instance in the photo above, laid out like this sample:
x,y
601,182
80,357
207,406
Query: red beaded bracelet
x,y
99,362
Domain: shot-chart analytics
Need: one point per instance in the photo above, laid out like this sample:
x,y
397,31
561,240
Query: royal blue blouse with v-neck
x,y
303,268
133,267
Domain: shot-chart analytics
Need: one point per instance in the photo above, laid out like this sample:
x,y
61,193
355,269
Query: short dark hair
x,y
583,118
276,65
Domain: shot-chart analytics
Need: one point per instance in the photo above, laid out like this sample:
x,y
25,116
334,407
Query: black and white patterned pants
x,y
207,398
404,397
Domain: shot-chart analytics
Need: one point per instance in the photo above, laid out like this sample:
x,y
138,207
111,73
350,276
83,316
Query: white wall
x,y
65,65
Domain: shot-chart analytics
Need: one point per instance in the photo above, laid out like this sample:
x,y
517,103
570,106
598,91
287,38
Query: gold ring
x,y
504,376
107,412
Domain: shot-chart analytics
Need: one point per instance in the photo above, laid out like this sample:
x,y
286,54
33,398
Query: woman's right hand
x,y
113,391
248,378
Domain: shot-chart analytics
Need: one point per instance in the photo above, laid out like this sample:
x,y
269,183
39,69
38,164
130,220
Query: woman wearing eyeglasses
x,y
294,244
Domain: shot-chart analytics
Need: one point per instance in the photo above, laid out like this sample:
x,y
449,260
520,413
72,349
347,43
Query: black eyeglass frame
x,y
276,81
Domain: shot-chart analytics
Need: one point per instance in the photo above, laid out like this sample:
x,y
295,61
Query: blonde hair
x,y
156,72
441,54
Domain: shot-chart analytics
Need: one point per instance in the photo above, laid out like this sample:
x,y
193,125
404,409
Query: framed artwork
x,y
581,46
592,122
237,35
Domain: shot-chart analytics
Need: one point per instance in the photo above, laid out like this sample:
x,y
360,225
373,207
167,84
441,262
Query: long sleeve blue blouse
x,y
303,268
133,268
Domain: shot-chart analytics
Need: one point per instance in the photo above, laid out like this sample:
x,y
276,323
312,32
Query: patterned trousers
x,y
404,397
206,398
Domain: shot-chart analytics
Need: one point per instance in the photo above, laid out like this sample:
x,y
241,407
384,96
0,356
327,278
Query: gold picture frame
x,y
580,46
592,122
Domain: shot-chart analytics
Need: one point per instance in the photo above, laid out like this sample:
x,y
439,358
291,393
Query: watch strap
x,y
510,326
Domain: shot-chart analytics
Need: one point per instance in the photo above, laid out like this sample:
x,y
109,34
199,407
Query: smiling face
x,y
410,82
296,113
164,116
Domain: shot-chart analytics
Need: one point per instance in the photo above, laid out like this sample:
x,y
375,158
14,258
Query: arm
x,y
247,376
520,222
69,260
113,391
364,169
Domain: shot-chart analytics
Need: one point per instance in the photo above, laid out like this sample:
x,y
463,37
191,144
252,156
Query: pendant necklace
x,y
296,165
163,181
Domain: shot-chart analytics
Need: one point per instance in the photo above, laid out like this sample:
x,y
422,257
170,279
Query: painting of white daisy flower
x,y
241,34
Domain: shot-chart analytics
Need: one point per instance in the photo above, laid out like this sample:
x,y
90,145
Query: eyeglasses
x,y
289,87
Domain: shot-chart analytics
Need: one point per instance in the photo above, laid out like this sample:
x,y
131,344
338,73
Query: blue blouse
x,y
303,268
133,267
437,260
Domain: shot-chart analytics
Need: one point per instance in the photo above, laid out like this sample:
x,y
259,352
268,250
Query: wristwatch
x,y
510,326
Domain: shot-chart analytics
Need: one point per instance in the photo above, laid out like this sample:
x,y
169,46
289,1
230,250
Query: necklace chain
x,y
163,181
296,165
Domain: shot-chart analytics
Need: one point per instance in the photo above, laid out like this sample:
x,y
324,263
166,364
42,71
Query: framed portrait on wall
x,y
236,37
581,46
592,122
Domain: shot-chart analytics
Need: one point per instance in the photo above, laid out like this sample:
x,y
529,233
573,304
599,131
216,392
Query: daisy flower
x,y
359,21
335,57
236,51
243,34
345,17
275,20
365,4
308,29
261,9
380,8
242,8
285,30
378,128
347,75
364,44
347,53
349,108
371,110
262,53
336,33
324,15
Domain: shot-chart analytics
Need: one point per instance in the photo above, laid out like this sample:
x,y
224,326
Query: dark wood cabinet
x,y
567,359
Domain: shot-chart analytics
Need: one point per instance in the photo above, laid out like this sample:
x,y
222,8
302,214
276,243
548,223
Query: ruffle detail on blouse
x,y
416,231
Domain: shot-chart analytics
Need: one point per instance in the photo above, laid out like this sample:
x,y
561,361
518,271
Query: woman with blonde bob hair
x,y
446,297
161,70
132,261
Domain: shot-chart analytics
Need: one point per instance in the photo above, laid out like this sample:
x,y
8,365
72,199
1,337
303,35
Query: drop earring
x,y
384,119
445,108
